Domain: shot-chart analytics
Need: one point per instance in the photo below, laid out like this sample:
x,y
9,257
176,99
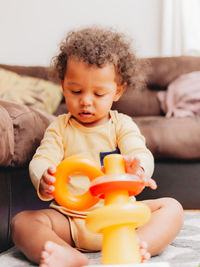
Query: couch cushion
x,y
33,92
171,137
22,129
138,102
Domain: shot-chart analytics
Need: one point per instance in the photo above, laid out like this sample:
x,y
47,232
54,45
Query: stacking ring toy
x,y
119,217
62,195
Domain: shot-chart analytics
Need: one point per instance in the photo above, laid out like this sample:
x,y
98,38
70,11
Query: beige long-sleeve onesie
x,y
66,137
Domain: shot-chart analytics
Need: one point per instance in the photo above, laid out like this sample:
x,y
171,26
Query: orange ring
x,y
61,193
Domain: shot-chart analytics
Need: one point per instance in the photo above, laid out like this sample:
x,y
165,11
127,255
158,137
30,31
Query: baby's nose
x,y
86,100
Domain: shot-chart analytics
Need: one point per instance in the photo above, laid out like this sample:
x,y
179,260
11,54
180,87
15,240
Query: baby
x,y
95,66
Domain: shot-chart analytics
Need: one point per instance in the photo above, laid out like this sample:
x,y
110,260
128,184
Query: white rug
x,y
183,252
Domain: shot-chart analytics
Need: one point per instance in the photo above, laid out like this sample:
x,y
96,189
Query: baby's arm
x,y
132,165
46,187
49,153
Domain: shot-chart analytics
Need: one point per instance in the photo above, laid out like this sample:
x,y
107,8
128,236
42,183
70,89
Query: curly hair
x,y
99,46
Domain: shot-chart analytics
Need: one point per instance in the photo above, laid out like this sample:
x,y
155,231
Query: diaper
x,y
84,239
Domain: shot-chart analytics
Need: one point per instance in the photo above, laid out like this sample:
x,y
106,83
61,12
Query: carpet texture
x,y
184,251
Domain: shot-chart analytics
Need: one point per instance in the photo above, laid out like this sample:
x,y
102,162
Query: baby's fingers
x,y
151,183
46,183
46,190
51,169
131,164
48,175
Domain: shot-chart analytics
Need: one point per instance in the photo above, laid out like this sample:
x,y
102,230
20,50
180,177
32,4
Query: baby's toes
x,y
44,255
145,255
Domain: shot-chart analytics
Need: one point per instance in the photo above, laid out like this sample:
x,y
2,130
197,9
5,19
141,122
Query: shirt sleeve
x,y
49,153
132,142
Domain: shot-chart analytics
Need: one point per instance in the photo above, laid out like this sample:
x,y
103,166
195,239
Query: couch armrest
x,y
5,213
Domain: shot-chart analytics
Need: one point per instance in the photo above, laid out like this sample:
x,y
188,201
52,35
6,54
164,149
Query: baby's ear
x,y
120,90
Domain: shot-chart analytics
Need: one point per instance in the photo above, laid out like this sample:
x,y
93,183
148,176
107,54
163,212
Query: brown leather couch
x,y
173,141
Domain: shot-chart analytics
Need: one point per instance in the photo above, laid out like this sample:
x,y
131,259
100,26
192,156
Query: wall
x,y
31,30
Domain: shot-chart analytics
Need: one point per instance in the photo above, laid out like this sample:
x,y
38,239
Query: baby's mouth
x,y
85,114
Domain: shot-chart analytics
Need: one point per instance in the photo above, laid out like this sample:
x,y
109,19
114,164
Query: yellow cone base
x,y
151,264
119,245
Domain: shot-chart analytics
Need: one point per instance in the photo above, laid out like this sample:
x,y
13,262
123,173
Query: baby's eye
x,y
76,92
99,94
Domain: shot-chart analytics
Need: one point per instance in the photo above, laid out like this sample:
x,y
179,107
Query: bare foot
x,y
145,255
60,256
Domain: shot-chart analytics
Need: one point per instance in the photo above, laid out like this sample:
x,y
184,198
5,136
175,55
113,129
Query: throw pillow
x,y
32,92
182,97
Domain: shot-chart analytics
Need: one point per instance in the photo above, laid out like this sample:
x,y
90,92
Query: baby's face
x,y
89,92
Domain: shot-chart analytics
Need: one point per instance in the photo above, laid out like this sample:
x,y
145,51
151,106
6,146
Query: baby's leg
x,y
32,229
165,223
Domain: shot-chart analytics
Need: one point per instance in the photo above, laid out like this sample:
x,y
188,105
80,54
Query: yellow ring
x,y
135,213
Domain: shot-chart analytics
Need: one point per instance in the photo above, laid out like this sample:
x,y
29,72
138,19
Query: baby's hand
x,y
132,165
46,187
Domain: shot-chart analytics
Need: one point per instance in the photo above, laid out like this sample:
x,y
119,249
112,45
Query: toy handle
x,y
62,195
